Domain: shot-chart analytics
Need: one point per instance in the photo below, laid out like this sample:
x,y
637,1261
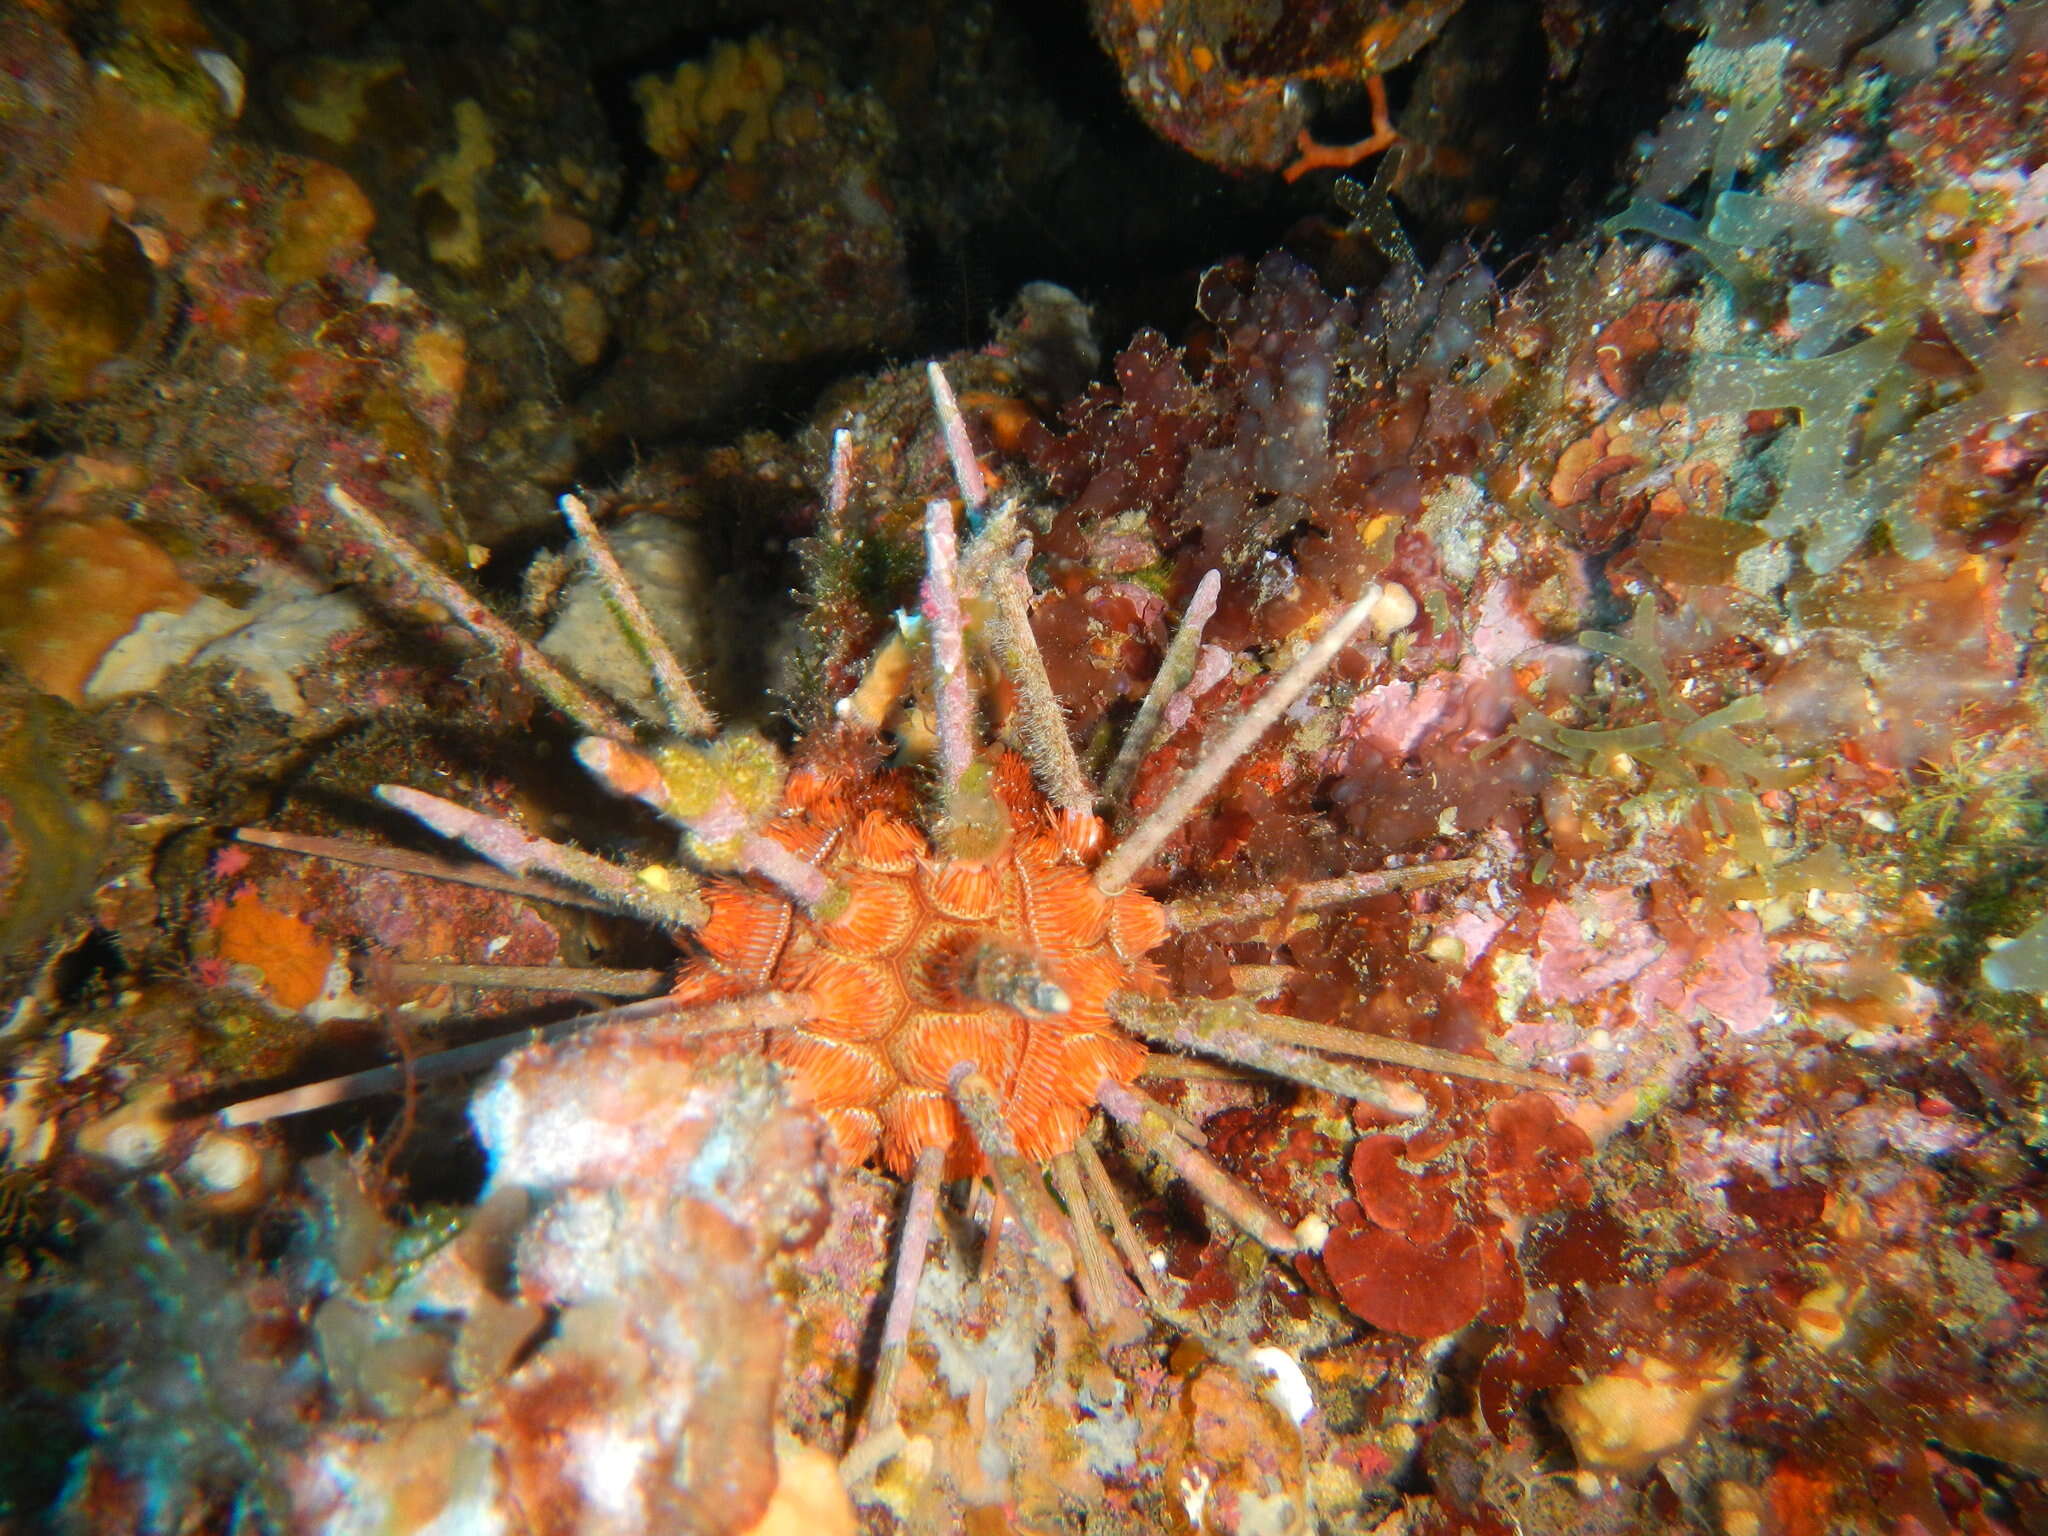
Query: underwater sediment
x,y
796,999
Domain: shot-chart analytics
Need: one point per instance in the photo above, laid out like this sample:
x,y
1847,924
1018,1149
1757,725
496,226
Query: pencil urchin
x,y
951,960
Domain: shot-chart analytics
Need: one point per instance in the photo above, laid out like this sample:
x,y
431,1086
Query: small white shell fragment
x,y
1285,1383
1394,611
82,1050
132,1143
133,1135
27,1133
1446,948
222,1164
390,293
1403,1099
1194,1495
24,1013
226,75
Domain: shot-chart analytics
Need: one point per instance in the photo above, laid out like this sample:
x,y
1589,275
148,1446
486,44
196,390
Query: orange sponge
x,y
293,958
71,587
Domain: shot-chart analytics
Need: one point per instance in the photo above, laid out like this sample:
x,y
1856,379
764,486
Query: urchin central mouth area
x,y
916,965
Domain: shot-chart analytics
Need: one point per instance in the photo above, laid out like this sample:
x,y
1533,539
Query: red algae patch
x,y
1419,1207
1400,1287
1425,1247
1533,1156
